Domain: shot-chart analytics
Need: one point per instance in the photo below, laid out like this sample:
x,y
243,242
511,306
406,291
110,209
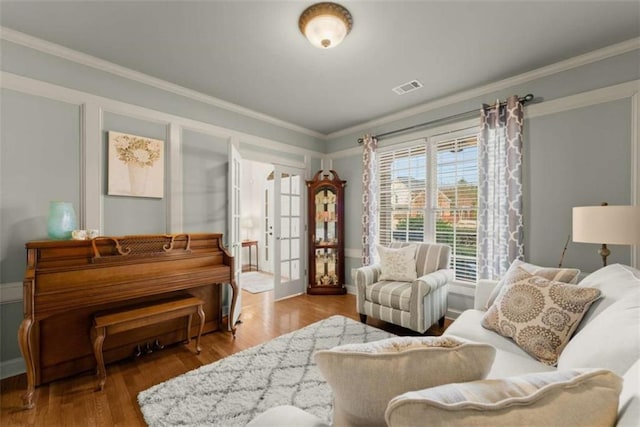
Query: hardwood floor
x,y
74,401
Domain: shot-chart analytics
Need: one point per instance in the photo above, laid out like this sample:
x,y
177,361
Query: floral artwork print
x,y
136,166
137,150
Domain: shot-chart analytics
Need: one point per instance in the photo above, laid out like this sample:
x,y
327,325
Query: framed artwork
x,y
136,166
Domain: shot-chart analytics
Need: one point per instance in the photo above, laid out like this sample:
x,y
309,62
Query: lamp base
x,y
604,252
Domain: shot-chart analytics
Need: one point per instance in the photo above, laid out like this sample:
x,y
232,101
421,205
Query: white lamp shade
x,y
325,31
611,225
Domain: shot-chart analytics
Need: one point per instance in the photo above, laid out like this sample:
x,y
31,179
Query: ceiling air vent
x,y
407,87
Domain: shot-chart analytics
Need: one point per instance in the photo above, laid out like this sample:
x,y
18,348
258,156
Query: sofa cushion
x,y
538,314
398,264
565,275
390,294
510,359
365,377
560,398
468,326
610,341
614,281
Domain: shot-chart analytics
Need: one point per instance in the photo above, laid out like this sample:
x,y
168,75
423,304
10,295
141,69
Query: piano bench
x,y
127,318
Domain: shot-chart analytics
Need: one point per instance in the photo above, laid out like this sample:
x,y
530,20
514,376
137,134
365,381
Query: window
x,y
428,191
402,178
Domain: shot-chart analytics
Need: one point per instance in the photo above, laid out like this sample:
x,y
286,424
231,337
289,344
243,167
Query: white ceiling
x,y
251,53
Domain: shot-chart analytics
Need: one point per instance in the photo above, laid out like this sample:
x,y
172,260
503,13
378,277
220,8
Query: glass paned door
x,y
235,162
288,265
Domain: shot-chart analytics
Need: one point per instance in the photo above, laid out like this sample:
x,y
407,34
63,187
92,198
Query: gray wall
x,y
133,215
27,62
205,166
39,155
614,70
572,158
579,157
41,161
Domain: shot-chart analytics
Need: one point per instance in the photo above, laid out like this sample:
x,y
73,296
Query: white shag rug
x,y
234,390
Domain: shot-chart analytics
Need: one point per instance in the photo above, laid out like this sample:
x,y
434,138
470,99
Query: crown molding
x,y
558,67
102,65
73,96
44,46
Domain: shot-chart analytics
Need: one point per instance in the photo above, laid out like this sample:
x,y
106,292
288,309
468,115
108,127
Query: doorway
x,y
272,229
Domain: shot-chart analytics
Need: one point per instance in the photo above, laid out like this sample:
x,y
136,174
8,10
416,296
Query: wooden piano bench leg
x,y
189,320
200,329
97,338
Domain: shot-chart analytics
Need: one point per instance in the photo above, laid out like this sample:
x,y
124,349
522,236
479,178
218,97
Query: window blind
x,y
456,209
402,195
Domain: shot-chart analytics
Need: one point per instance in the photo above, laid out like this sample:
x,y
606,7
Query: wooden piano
x,y
66,282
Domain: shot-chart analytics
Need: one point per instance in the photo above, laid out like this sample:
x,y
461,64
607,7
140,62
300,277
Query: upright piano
x,y
66,282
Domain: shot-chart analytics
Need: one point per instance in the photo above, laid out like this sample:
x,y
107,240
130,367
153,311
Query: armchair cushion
x,y
390,294
365,377
562,398
398,264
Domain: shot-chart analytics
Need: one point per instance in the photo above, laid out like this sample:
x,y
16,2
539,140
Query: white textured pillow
x,y
365,377
398,264
564,275
561,398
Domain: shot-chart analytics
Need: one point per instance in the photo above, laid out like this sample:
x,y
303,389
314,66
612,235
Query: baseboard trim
x,y
11,368
351,289
10,292
452,313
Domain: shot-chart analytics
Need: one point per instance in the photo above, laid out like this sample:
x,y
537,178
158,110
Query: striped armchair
x,y
414,305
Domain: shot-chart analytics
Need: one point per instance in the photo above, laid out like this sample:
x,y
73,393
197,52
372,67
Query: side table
x,y
249,244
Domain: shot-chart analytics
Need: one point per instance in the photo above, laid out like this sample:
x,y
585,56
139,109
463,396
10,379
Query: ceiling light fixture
x,y
326,24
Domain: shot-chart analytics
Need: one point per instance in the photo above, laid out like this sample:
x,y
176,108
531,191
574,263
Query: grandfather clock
x,y
326,234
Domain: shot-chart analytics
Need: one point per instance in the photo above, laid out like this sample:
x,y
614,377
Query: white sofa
x,y
608,337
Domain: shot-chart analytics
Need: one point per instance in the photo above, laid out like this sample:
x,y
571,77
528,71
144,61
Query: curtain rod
x,y
523,100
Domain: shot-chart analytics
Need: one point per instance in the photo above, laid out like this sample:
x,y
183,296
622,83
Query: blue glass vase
x,y
62,220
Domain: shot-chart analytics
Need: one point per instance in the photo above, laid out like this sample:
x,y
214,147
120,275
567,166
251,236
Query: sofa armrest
x,y
368,275
483,291
365,276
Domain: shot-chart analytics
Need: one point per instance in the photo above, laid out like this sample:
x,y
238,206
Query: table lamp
x,y
614,225
247,224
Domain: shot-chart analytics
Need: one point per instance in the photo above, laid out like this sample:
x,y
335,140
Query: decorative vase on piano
x,y
62,220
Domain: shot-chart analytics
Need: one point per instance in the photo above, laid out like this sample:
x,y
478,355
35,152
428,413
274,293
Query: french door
x,y
288,233
235,245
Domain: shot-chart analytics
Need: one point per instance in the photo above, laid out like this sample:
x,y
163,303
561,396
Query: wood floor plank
x,y
74,401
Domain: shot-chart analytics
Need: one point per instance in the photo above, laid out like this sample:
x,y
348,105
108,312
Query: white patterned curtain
x,y
500,221
369,200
